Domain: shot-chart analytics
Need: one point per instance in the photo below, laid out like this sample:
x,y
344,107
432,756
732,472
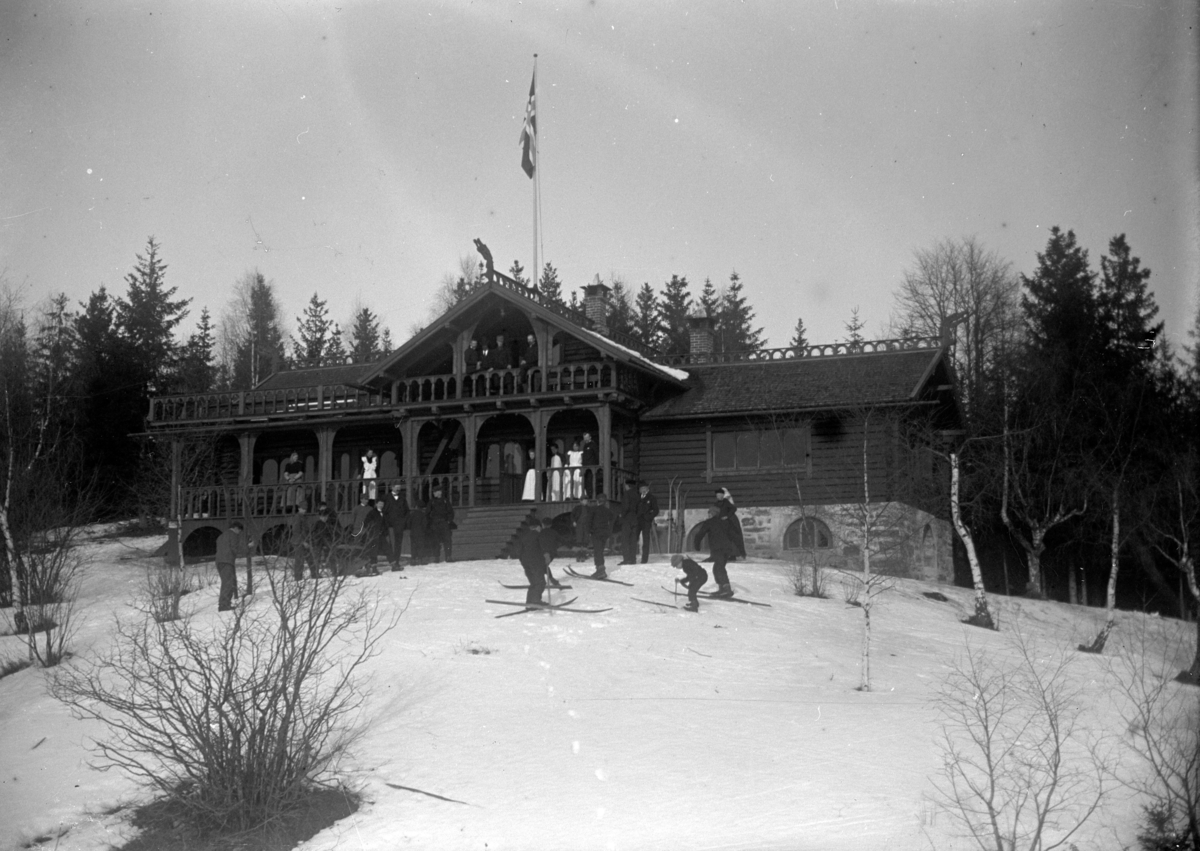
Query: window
x,y
807,533
760,449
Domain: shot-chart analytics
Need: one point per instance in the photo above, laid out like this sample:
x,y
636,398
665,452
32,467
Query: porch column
x,y
471,426
408,454
246,441
325,458
539,453
604,419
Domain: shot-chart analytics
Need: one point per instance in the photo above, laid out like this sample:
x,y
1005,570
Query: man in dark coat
x,y
441,525
230,545
533,560
716,529
528,362
593,483
600,525
370,538
647,510
418,530
629,522
395,517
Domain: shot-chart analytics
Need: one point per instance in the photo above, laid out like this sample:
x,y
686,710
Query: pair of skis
x,y
598,578
719,597
544,607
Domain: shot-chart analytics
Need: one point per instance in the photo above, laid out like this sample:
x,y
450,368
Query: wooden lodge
x,y
787,431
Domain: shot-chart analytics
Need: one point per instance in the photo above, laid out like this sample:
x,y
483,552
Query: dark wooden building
x,y
819,447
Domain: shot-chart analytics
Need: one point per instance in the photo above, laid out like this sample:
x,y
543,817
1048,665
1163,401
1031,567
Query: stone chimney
x,y
700,337
595,305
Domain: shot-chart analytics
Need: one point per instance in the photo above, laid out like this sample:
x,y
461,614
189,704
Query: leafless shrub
x,y
1162,719
53,568
1018,768
807,580
165,587
237,720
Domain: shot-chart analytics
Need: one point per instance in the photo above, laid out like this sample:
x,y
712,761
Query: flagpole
x,y
537,181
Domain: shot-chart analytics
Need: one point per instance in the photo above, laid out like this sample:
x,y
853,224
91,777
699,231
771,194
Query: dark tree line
x,y
1081,424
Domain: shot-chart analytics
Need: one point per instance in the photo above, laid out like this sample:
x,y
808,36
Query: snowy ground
x,y
641,728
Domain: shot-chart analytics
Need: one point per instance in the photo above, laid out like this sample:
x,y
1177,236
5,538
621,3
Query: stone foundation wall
x,y
906,542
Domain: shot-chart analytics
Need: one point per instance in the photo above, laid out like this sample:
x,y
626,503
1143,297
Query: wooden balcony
x,y
464,392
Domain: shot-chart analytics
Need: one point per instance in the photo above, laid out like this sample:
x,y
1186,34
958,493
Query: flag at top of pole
x,y
529,131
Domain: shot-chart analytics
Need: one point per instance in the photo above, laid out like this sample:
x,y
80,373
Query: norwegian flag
x,y
529,131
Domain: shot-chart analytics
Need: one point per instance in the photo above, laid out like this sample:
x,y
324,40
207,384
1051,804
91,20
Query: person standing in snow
x,y
441,524
728,511
716,529
599,527
693,579
647,510
629,522
533,561
230,544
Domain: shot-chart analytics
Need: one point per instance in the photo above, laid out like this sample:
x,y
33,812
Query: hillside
x,y
640,728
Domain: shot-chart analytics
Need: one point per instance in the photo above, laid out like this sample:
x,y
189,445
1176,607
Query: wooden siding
x,y
680,451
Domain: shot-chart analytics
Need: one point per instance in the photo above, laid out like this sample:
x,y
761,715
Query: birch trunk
x,y
983,615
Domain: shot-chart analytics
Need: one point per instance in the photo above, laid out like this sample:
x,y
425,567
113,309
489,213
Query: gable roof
x,y
493,291
290,379
804,384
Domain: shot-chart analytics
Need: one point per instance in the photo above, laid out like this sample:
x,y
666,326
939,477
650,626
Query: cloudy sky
x,y
356,148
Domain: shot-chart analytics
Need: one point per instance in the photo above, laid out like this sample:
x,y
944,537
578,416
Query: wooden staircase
x,y
487,531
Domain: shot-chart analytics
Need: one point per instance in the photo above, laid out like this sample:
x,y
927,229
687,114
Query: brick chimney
x,y
595,305
700,337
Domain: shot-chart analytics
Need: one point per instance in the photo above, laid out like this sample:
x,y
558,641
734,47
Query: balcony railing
x,y
491,384
793,352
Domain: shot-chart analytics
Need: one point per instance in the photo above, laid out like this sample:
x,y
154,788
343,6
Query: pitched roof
x,y
808,383
475,303
289,379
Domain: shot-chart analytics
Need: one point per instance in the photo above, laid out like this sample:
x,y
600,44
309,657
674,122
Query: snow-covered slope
x,y
640,728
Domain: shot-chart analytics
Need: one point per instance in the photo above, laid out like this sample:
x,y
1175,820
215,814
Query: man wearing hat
x,y
441,525
647,510
395,517
629,522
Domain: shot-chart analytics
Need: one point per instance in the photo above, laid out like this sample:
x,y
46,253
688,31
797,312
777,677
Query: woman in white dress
x,y
575,462
370,466
556,476
530,493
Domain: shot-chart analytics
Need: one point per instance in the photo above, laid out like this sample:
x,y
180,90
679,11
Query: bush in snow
x,y
235,721
1019,769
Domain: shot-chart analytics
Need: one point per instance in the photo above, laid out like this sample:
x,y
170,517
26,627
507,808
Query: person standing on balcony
x,y
395,516
472,358
530,492
230,544
293,473
529,362
370,470
556,475
441,526
575,470
499,359
591,461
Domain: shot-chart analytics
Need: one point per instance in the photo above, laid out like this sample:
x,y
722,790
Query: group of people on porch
x,y
577,479
496,358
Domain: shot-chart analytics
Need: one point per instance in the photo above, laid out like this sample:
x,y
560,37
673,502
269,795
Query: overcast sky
x,y
355,149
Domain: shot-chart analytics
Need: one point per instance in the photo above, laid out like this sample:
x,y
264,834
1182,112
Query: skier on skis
x,y
716,529
694,578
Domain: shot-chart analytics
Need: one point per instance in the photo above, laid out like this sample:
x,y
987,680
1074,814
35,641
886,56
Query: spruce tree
x,y
258,343
710,299
386,347
197,373
1126,307
314,328
365,336
335,352
799,340
854,329
550,285
620,314
675,303
735,321
645,317
517,272
148,316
